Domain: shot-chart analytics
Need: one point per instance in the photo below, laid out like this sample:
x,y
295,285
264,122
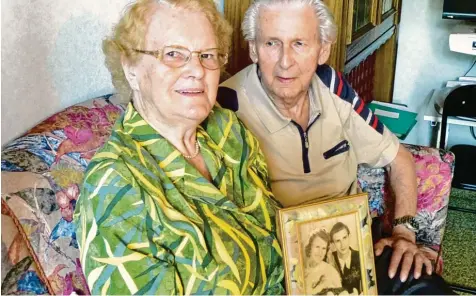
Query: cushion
x,y
20,274
41,175
434,168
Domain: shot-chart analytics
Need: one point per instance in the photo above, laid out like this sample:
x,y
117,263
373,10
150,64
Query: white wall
x,y
52,57
424,62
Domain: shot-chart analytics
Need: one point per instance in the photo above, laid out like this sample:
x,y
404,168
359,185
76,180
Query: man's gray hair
x,y
327,27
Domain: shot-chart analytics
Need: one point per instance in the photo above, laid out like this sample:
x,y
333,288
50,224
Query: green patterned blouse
x,y
149,223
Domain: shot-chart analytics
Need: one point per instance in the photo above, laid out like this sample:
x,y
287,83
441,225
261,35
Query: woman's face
x,y
175,95
318,249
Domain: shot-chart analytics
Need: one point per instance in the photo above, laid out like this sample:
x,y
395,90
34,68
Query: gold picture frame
x,y
327,247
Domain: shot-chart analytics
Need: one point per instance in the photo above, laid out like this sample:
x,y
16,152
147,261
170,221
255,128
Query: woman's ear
x,y
324,53
130,73
253,52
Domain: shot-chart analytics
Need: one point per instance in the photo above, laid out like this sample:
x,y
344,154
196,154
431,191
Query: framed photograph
x,y
327,247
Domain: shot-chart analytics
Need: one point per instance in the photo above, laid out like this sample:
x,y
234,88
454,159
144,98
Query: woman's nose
x,y
194,66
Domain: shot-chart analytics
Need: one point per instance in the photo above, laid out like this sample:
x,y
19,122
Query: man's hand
x,y
404,249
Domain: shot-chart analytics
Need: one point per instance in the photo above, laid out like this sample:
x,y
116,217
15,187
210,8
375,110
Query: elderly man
x,y
312,127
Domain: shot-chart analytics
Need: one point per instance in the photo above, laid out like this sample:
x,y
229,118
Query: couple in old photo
x,y
331,265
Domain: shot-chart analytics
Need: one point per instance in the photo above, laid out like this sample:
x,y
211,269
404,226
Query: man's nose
x,y
287,57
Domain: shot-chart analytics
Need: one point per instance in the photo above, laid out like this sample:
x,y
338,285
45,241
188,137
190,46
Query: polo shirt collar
x,y
315,95
265,108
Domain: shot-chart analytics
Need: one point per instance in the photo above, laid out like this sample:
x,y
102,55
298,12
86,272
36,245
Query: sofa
x,y
42,172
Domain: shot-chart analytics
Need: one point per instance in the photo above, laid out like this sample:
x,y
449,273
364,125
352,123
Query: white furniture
x,y
463,43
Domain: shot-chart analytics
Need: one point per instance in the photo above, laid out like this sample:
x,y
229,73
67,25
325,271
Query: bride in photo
x,y
320,277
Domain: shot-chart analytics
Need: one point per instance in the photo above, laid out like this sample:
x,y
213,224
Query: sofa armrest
x,y
434,168
41,174
373,182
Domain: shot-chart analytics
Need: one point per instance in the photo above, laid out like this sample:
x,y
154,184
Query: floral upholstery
x,y
41,173
19,271
42,170
434,168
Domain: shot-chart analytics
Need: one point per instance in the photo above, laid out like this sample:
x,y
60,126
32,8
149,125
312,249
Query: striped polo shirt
x,y
320,162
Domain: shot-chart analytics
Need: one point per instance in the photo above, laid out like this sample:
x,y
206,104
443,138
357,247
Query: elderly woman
x,y
178,199
320,277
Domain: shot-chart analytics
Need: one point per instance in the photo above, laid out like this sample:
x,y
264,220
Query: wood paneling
x,y
394,10
338,9
375,12
366,40
239,57
385,70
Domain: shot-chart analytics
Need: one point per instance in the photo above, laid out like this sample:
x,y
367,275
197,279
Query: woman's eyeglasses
x,y
176,56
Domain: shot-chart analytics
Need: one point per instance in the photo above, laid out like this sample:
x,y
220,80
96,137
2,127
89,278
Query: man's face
x,y
287,50
341,241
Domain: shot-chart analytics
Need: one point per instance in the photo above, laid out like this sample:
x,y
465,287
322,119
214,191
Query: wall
x,y
424,62
52,57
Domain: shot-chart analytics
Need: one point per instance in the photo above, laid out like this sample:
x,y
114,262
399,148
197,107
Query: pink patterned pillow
x,y
40,175
434,169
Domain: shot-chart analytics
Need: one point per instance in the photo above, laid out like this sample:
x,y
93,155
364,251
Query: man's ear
x,y
324,53
130,73
253,52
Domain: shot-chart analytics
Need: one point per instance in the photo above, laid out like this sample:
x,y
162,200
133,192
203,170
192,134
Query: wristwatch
x,y
408,221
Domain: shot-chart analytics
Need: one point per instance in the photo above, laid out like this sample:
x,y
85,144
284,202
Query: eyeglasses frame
x,y
158,54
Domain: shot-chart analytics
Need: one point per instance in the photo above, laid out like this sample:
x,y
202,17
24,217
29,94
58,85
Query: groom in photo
x,y
345,259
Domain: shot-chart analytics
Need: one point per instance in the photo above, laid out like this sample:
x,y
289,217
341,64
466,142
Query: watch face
x,y
414,223
410,226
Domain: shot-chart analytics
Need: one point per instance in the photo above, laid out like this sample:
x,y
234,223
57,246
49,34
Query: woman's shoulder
x,y
224,120
220,112
106,161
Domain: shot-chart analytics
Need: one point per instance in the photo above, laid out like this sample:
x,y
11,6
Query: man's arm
x,y
371,138
403,181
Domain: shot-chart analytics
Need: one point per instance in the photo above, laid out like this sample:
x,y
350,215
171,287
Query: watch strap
x,y
407,221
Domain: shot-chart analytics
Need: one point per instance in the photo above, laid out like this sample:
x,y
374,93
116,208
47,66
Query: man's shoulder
x,y
336,83
342,91
227,95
